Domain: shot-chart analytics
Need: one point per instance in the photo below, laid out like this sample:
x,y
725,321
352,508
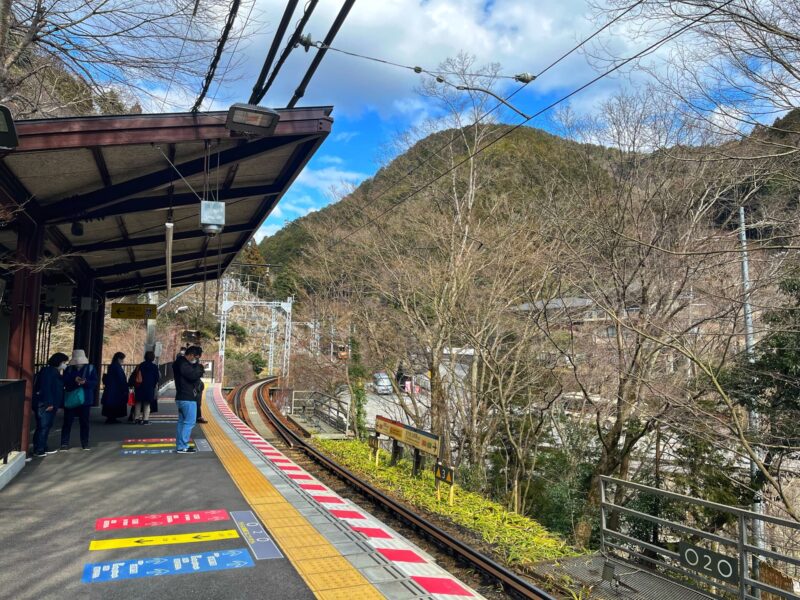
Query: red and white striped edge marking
x,y
429,576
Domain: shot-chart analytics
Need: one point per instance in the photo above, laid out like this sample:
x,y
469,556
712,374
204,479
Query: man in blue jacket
x,y
48,397
188,374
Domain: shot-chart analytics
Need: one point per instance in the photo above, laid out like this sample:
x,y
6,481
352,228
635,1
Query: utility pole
x,y
753,420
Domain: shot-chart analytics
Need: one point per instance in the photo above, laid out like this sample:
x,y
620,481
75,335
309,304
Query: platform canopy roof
x,y
121,178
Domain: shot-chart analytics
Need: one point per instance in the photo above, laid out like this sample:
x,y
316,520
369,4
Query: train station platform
x,y
236,519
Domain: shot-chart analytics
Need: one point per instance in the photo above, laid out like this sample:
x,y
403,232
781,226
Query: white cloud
x,y
266,231
521,36
328,179
330,160
344,136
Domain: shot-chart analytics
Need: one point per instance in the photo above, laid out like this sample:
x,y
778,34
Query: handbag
x,y
137,379
131,399
73,398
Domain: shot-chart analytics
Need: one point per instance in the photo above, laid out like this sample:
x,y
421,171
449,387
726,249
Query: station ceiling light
x,y
252,119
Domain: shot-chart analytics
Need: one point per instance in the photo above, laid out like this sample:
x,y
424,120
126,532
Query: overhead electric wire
x,y
273,49
223,38
293,41
312,68
505,100
233,52
180,54
550,106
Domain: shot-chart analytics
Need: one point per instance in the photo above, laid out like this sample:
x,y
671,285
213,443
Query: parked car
x,y
381,384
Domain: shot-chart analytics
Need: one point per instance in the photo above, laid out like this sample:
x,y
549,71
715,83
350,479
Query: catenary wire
x,y
180,54
424,162
233,52
298,31
223,39
550,106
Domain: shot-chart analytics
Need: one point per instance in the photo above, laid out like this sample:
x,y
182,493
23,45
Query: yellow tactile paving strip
x,y
325,571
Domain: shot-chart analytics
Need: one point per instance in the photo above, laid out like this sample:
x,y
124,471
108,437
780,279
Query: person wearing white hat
x,y
80,384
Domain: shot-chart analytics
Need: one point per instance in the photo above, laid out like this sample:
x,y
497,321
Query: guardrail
x,y
321,406
12,406
723,563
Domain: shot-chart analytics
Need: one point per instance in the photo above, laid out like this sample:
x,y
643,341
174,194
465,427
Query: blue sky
x,y
373,102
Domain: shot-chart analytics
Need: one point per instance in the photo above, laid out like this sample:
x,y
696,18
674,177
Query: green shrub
x,y
520,540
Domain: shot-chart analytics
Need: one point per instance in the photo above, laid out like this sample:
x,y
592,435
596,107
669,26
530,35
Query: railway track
x,y
511,582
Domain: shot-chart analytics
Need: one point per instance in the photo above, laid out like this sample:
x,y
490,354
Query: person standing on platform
x,y
48,397
115,392
80,385
144,381
188,373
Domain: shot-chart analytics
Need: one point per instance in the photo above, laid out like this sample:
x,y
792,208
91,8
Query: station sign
x,y
410,436
121,310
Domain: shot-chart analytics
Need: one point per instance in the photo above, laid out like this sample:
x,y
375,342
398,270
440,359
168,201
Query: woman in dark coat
x,y
146,389
48,397
115,394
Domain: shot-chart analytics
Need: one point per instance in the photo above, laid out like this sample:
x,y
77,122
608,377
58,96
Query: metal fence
x,y
656,528
316,405
12,406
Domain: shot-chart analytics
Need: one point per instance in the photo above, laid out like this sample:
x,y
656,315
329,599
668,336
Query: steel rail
x,y
508,579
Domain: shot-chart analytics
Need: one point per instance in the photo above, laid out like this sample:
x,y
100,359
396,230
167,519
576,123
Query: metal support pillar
x,y
754,420
25,300
95,349
150,341
84,318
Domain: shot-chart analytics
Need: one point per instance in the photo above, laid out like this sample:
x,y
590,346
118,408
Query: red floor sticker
x,y
441,585
289,468
312,486
347,514
328,499
147,440
155,520
401,555
373,532
299,476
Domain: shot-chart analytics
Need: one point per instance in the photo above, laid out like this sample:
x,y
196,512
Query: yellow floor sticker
x,y
161,540
172,445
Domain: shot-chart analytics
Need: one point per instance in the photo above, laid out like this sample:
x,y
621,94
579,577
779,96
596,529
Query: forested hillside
x,y
591,281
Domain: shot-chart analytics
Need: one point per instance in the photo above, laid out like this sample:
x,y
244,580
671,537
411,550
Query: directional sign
x,y
167,565
133,311
160,519
405,434
254,534
443,473
163,540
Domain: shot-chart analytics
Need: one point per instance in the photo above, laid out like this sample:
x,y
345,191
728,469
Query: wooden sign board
x,y
133,311
410,436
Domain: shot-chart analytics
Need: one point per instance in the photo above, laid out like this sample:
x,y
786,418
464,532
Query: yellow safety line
x,y
329,575
162,540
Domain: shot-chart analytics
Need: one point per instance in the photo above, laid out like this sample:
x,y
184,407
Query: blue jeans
x,y
82,412
44,421
187,416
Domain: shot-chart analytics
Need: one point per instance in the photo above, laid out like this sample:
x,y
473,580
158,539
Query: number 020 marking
x,y
715,564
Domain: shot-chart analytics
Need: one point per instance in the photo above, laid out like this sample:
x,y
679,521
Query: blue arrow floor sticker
x,y
167,565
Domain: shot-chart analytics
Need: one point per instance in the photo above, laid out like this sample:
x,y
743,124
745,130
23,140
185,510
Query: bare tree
x,y
67,57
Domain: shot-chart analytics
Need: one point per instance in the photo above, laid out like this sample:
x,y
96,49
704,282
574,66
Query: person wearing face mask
x,y
48,397
80,385
188,374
